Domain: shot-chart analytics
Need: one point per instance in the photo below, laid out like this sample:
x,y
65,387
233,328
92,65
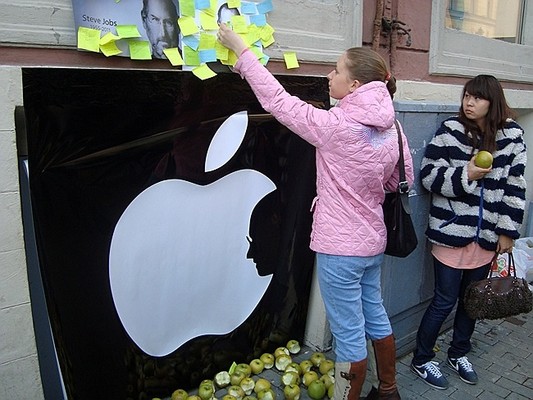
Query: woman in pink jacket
x,y
356,156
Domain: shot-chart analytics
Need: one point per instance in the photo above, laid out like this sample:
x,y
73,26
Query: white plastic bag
x,y
523,257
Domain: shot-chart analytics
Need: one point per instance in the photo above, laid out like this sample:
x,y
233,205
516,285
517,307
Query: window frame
x,y
507,61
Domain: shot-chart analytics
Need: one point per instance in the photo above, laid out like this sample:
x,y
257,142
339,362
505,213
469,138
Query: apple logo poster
x,y
177,264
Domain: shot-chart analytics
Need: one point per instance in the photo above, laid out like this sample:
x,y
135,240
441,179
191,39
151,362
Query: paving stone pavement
x,y
502,355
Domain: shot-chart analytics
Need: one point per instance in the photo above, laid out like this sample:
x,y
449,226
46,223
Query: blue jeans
x,y
351,291
450,285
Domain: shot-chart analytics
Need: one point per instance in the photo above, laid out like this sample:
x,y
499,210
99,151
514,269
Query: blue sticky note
x,y
208,55
265,6
248,8
202,4
191,41
259,19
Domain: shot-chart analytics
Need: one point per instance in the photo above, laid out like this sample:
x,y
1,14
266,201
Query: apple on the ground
x,y
293,346
245,368
317,357
282,361
268,359
236,378
290,377
257,366
292,392
306,366
236,391
247,384
317,390
179,394
222,379
267,394
309,377
281,350
262,384
206,391
327,366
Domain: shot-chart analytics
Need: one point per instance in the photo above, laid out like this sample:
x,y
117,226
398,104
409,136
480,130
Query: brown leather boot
x,y
349,379
385,353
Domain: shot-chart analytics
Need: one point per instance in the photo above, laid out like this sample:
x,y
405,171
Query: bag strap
x,y
511,269
403,185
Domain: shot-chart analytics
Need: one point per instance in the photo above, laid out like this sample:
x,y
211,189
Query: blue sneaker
x,y
464,368
431,374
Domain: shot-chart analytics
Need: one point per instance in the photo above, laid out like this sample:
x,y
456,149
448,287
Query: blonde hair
x,y
366,65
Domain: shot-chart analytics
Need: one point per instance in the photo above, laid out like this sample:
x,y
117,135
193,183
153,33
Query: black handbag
x,y
401,234
498,296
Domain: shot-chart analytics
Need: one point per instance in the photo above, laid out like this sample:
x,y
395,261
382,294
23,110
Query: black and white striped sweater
x,y
464,211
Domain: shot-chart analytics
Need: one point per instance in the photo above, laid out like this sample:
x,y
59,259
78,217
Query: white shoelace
x,y
432,368
465,364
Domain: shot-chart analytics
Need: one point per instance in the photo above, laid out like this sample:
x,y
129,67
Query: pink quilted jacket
x,y
356,155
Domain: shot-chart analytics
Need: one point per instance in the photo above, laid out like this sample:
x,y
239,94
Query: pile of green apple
x,y
242,381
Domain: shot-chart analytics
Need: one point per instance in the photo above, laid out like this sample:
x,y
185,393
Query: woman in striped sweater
x,y
474,213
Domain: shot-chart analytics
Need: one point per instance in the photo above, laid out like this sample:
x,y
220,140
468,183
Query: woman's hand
x,y
231,40
505,244
474,172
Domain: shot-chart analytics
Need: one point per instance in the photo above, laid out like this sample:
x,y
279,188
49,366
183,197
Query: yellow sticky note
x,y
140,50
128,31
231,60
203,72
207,41
253,35
267,42
188,26
234,3
190,56
88,39
174,56
222,52
290,60
110,49
238,22
187,8
266,32
108,38
208,22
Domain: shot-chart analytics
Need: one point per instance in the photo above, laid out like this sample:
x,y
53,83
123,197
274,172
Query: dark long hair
x,y
489,88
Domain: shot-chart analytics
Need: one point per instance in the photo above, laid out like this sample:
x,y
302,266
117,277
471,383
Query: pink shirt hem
x,y
468,257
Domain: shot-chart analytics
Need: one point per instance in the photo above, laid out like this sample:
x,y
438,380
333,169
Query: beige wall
x,y
19,368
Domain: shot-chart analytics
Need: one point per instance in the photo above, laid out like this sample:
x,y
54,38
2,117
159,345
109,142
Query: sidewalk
x,y
502,356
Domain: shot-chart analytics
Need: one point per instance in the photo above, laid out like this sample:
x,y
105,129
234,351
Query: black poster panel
x,y
98,138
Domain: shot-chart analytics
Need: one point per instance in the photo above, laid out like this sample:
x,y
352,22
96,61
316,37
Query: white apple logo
x,y
177,261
